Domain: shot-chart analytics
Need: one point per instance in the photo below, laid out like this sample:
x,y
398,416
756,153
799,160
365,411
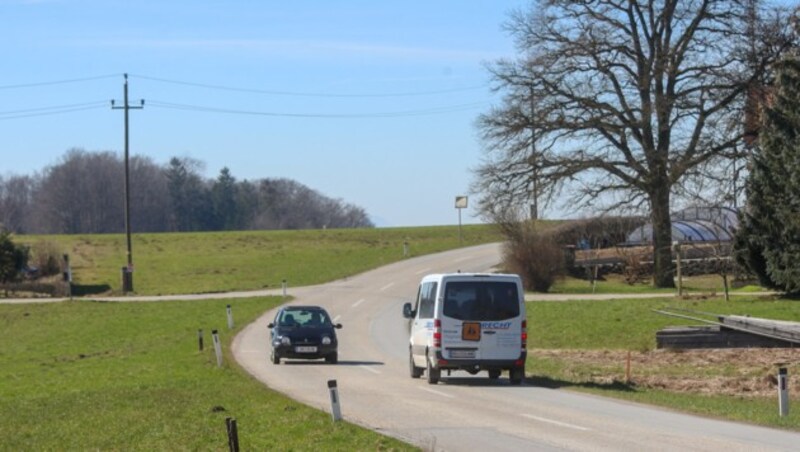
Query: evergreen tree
x,y
224,202
13,258
768,242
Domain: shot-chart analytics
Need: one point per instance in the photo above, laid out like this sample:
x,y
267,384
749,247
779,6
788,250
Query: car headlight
x,y
326,340
285,340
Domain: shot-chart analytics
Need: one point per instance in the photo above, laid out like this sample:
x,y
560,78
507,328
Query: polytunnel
x,y
694,224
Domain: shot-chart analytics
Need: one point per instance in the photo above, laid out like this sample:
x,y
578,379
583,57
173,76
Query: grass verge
x,y
584,345
128,376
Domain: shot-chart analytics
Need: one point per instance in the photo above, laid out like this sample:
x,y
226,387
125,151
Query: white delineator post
x,y
283,284
230,318
783,392
217,347
336,409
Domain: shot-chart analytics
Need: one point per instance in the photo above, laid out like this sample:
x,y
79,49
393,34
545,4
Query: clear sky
x,y
373,102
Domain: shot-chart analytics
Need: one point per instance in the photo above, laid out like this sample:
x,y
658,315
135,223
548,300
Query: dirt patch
x,y
739,372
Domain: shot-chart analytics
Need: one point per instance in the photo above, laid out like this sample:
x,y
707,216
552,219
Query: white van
x,y
468,321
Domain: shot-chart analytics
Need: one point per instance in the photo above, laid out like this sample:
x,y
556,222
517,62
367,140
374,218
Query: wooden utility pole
x,y
127,272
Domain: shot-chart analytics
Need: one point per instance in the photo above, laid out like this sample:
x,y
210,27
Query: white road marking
x,y
386,287
462,259
439,393
370,369
424,270
358,303
551,421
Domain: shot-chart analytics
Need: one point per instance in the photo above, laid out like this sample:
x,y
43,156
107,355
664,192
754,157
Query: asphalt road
x,y
465,412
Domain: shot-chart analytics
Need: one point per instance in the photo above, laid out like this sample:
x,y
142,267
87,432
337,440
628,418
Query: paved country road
x,y
462,412
465,413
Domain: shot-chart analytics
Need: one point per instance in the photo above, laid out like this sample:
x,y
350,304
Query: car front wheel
x,y
333,358
275,358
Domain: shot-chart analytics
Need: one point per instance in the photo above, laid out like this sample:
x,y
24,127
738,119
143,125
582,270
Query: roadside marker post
x,y
283,285
233,434
200,339
217,347
336,409
230,317
783,392
405,249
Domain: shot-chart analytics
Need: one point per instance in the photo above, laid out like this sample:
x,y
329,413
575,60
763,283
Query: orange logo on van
x,y
471,331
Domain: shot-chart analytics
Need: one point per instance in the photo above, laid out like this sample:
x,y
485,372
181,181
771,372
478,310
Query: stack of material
x,y
730,332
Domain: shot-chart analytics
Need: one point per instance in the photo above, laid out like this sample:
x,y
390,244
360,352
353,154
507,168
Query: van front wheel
x,y
415,371
433,373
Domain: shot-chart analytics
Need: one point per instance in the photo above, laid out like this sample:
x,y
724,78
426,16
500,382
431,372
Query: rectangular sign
x,y
461,202
471,331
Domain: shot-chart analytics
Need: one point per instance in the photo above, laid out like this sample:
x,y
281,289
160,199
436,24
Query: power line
x,y
58,82
422,112
309,94
53,110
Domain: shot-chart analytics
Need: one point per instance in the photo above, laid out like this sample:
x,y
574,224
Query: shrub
x,y
535,256
599,232
46,257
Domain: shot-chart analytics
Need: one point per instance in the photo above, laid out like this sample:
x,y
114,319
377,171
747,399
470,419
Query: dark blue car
x,y
303,332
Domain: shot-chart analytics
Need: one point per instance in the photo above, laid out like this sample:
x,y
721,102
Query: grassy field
x,y
86,375
615,283
584,345
225,261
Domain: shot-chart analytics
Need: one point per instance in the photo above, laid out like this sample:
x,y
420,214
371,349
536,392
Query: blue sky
x,y
372,102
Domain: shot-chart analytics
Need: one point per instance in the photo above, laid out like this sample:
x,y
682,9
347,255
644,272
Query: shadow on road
x,y
547,382
340,363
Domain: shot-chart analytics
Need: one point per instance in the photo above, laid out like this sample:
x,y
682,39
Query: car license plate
x,y
462,354
305,349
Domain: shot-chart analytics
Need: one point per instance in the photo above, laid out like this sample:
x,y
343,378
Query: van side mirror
x,y
407,311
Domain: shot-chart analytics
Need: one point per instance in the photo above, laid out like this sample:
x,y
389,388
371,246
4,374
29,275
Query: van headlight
x,y
326,340
285,340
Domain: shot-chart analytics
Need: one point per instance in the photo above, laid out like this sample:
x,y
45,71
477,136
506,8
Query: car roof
x,y
302,308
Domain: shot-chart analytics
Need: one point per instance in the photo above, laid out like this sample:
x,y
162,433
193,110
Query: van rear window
x,y
481,300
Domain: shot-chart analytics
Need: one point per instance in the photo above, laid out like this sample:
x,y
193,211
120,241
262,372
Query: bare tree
x,y
82,194
16,194
626,100
149,196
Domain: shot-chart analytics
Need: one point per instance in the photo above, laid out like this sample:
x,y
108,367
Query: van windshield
x,y
481,300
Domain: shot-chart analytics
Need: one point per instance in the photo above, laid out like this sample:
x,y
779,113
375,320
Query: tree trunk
x,y
662,237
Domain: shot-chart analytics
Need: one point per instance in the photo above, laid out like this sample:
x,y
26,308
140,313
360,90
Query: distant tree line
x,y
84,193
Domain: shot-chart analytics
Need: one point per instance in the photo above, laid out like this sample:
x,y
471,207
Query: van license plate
x,y
471,331
462,354
305,349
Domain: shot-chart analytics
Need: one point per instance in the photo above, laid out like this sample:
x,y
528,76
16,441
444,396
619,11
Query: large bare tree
x,y
623,101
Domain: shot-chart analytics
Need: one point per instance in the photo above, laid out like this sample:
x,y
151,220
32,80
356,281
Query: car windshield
x,y
481,300
304,318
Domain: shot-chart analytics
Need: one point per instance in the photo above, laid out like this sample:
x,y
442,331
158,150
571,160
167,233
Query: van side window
x,y
427,300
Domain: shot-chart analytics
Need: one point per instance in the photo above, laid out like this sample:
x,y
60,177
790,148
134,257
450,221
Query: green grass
x,y
206,262
621,325
614,284
128,376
